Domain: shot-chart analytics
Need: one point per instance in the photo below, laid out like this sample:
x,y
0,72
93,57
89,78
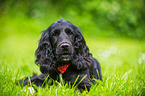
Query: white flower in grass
x,y
140,60
30,90
143,56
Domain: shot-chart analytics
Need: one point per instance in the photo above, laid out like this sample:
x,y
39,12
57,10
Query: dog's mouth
x,y
65,58
65,55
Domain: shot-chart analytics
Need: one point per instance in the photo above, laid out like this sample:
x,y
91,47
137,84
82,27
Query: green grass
x,y
122,61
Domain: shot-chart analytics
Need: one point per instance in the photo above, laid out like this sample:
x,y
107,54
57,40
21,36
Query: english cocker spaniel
x,y
62,50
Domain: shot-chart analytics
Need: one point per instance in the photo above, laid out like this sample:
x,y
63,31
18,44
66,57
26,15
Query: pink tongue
x,y
62,68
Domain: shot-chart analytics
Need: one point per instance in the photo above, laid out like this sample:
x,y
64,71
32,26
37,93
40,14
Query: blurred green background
x,y
96,18
113,29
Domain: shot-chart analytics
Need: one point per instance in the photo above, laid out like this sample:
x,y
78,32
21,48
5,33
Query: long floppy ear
x,y
44,55
82,55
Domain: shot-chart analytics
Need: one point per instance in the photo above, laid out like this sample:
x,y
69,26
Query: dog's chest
x,y
70,75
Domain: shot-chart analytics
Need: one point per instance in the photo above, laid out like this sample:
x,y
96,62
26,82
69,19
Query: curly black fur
x,y
50,52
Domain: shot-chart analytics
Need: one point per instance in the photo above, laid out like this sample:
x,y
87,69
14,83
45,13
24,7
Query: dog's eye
x,y
68,31
56,32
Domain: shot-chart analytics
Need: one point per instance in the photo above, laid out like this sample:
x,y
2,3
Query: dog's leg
x,y
84,82
37,80
84,85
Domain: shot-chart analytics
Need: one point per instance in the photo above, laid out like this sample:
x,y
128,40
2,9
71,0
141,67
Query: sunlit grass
x,y
122,62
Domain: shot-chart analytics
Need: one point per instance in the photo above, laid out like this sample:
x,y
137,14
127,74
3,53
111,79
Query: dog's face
x,y
62,38
60,44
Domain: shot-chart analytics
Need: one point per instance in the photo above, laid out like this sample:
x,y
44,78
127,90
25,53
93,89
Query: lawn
x,y
122,61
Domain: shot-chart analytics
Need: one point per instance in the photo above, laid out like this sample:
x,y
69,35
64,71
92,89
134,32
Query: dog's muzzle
x,y
65,51
65,48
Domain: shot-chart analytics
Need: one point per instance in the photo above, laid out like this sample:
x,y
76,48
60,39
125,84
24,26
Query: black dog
x,y
63,50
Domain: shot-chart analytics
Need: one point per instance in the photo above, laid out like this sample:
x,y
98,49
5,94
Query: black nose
x,y
65,46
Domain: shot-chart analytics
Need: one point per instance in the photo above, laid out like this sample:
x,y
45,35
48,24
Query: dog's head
x,y
61,43
62,40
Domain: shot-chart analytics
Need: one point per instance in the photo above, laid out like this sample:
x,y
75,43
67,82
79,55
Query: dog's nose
x,y
65,46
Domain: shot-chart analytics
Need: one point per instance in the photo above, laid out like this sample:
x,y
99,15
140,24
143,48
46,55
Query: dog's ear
x,y
80,43
44,55
83,57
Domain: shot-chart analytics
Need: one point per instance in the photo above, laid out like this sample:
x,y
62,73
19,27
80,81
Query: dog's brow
x,y
52,31
71,29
